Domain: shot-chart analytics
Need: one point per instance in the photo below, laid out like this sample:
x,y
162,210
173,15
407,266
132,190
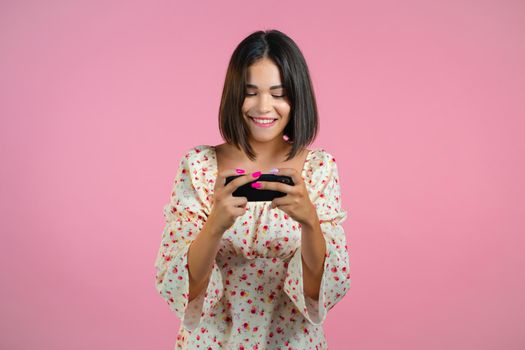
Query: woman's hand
x,y
296,203
225,207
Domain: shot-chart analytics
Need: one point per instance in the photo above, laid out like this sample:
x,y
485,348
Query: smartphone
x,y
255,195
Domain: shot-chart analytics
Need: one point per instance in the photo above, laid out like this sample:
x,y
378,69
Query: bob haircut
x,y
302,127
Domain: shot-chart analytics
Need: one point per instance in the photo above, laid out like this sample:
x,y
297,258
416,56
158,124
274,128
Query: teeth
x,y
264,121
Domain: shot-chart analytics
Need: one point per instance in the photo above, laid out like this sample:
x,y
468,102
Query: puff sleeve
x,y
185,215
335,282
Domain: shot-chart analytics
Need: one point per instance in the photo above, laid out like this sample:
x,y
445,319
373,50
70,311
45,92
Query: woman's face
x,y
265,98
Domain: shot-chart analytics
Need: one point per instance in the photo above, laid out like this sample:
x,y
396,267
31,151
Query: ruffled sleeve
x,y
185,215
326,196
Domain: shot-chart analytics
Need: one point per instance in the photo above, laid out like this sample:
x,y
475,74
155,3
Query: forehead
x,y
263,74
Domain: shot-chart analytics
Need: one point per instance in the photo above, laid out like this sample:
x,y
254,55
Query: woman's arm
x,y
315,289
313,251
201,254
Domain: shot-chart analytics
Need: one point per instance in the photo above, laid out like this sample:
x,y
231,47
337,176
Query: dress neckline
x,y
303,170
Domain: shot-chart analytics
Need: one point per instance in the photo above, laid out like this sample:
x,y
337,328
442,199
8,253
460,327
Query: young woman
x,y
262,274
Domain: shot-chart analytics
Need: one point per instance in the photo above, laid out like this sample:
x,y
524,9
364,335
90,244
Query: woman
x,y
262,274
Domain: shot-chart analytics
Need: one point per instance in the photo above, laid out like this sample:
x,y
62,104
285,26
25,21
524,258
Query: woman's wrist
x,y
212,228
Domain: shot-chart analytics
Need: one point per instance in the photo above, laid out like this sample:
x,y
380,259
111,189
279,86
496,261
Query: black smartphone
x,y
256,195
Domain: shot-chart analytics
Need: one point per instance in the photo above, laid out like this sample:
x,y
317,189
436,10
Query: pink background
x,y
421,103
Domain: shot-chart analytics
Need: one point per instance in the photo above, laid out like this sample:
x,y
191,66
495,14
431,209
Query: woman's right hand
x,y
225,207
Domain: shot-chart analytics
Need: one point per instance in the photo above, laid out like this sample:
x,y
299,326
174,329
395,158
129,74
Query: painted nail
x,y
256,174
256,185
239,171
274,170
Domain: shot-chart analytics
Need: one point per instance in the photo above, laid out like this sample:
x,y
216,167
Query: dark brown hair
x,y
302,127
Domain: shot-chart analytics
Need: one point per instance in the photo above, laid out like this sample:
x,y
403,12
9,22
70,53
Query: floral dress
x,y
255,297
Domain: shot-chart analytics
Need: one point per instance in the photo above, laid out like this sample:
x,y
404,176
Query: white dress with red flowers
x,y
255,297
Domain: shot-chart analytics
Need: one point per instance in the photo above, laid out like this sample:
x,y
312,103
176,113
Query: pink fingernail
x,y
256,185
256,174
239,171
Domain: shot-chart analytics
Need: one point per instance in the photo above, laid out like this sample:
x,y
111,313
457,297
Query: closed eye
x,y
277,96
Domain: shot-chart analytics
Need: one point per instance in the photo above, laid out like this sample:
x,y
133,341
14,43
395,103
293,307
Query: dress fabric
x,y
255,297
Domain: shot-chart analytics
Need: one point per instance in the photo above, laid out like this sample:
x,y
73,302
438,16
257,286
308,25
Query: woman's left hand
x,y
296,203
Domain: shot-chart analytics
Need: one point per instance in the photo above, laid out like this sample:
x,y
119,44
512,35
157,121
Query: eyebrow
x,y
271,87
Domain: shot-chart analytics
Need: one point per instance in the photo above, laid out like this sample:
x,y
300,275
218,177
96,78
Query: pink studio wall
x,y
421,103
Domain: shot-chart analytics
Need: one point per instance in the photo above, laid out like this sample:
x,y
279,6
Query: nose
x,y
264,104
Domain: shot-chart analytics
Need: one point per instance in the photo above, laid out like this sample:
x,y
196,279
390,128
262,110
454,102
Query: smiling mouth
x,y
263,122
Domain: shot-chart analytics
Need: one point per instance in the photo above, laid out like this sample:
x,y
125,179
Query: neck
x,y
270,150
